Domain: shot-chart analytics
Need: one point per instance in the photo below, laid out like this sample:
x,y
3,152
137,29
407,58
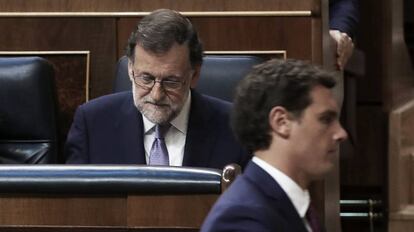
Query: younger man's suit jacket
x,y
254,202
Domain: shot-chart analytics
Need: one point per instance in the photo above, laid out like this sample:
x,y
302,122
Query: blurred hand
x,y
344,47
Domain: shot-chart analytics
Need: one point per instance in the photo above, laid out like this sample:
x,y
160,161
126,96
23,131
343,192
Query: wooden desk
x,y
43,212
107,197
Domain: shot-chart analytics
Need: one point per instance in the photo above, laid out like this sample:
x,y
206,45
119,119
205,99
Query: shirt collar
x,y
299,197
180,122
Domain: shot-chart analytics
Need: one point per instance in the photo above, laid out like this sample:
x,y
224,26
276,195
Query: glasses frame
x,y
162,83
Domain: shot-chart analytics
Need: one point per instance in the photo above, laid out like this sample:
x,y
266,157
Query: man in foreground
x,y
286,114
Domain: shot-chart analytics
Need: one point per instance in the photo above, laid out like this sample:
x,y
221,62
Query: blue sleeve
x,y
76,148
344,16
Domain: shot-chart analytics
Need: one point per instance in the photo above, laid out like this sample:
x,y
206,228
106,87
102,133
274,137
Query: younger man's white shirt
x,y
299,197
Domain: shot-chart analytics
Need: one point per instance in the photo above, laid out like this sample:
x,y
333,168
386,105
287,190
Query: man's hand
x,y
344,47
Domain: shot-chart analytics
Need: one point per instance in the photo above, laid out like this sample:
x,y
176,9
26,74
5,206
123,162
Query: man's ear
x,y
130,68
195,76
280,121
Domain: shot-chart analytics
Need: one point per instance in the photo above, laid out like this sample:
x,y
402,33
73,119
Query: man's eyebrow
x,y
145,73
171,75
329,113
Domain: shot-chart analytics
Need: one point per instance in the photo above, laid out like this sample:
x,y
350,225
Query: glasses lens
x,y
144,81
148,82
171,85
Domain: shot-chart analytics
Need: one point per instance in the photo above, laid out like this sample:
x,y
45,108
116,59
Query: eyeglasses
x,y
148,82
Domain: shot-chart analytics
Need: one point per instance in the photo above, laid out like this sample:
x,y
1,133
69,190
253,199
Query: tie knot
x,y
161,130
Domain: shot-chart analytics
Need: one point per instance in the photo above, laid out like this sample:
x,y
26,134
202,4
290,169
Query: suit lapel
x,y
281,202
131,127
200,133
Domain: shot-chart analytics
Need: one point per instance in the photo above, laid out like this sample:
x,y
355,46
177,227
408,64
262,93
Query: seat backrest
x,y
221,73
27,111
218,78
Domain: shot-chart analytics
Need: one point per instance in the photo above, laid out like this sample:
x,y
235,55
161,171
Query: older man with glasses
x,y
164,121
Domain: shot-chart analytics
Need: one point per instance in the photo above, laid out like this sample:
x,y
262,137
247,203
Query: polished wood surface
x,y
42,212
182,211
216,36
371,125
401,166
401,225
97,35
144,5
92,229
398,79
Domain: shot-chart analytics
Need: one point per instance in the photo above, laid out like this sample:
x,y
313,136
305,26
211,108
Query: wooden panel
x,y
399,86
63,229
389,74
401,151
371,150
49,210
401,166
292,34
184,211
145,5
399,81
96,35
402,225
90,229
71,79
407,133
370,86
43,212
364,168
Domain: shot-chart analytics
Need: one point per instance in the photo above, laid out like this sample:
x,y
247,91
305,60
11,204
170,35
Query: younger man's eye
x,y
327,119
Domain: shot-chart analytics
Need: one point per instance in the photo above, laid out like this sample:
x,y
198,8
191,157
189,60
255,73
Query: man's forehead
x,y
176,54
323,99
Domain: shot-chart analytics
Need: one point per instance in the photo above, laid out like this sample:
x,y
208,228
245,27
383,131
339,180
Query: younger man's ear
x,y
280,121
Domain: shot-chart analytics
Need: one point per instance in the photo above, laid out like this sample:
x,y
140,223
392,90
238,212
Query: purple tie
x,y
312,217
159,152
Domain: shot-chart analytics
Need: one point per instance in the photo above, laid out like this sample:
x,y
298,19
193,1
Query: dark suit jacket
x,y
254,202
109,130
344,16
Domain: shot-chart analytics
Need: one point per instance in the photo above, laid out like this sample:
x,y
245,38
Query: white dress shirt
x,y
175,137
299,197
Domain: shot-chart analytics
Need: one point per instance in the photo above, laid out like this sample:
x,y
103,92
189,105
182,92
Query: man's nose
x,y
341,134
157,91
